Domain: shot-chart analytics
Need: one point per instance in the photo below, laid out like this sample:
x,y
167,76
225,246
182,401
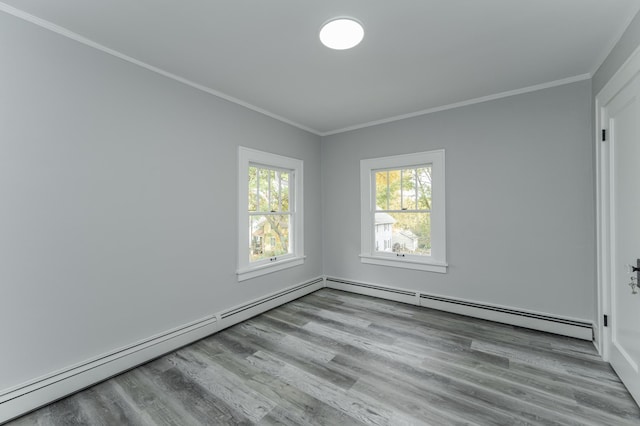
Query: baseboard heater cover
x,y
536,321
509,311
238,309
373,287
21,399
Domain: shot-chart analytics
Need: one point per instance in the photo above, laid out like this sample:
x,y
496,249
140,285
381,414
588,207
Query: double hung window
x,y
402,207
270,205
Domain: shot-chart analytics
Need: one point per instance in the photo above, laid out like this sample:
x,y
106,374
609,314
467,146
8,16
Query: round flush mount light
x,y
341,33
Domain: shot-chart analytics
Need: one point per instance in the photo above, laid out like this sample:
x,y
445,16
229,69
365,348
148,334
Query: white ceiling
x,y
417,55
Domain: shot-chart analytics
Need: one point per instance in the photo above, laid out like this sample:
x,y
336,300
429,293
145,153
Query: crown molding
x,y
612,44
88,42
18,13
500,95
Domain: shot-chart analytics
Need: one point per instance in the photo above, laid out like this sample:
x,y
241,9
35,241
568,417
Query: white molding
x,y
249,273
618,81
622,76
460,104
556,324
88,42
601,236
612,44
28,396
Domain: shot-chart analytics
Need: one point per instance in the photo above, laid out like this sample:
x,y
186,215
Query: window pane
x,y
383,231
253,187
274,190
263,195
284,191
269,236
424,187
408,189
274,203
395,200
382,194
403,233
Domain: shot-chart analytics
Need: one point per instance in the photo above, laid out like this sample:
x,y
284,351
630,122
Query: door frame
x,y
603,163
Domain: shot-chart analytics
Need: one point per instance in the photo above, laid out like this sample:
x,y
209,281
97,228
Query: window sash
x,y
255,193
407,202
254,257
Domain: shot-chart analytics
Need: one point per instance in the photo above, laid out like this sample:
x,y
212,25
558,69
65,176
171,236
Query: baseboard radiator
x,y
41,391
580,329
250,309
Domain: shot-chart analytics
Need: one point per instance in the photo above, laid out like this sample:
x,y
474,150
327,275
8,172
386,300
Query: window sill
x,y
256,271
429,266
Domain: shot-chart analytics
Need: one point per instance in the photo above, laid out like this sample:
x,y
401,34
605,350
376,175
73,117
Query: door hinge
x,y
606,321
604,135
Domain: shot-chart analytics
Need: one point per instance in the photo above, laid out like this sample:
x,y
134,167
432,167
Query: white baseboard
x,y
38,392
571,327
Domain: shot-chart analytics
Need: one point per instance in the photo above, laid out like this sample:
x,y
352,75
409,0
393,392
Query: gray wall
x,y
627,44
118,202
118,187
520,202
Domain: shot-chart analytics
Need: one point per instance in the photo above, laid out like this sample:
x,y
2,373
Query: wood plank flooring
x,y
335,358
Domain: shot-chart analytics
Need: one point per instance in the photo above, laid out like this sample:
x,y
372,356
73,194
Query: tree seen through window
x,y
269,212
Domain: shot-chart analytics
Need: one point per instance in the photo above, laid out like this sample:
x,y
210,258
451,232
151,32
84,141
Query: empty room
x,y
357,212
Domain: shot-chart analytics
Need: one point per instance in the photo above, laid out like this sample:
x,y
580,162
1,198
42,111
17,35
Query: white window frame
x,y
437,262
246,269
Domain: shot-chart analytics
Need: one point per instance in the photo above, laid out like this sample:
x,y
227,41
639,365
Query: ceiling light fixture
x,y
341,33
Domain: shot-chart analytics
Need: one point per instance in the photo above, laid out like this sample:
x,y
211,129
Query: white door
x,y
621,116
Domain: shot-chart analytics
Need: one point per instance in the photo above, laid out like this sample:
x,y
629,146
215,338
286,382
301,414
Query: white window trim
x,y
437,262
246,270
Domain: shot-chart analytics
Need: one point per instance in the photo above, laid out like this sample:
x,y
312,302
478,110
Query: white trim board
x,y
565,326
36,393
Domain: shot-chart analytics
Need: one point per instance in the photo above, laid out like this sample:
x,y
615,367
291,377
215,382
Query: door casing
x,y
603,198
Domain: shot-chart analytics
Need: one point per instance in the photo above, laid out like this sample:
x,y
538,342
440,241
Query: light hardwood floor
x,y
335,358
